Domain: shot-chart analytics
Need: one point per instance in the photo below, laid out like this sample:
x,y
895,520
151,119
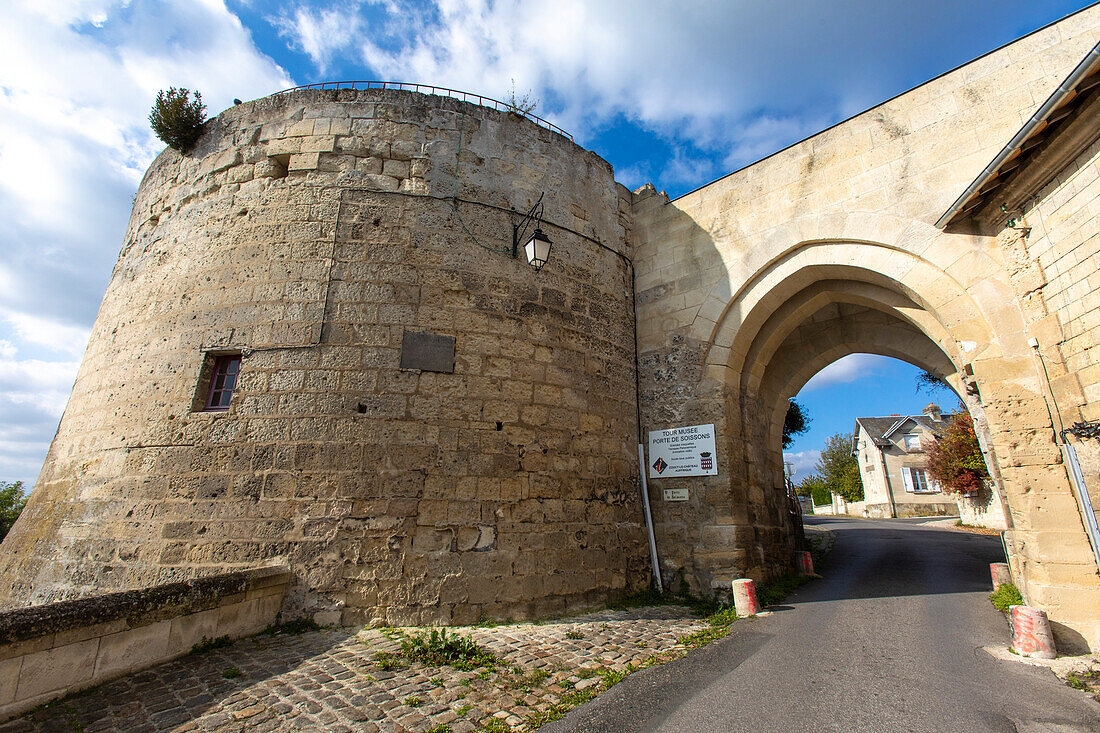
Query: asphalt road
x,y
889,640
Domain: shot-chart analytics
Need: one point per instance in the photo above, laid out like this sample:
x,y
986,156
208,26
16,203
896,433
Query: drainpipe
x,y
1080,492
886,480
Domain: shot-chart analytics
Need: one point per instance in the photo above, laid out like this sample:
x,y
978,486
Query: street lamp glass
x,y
537,249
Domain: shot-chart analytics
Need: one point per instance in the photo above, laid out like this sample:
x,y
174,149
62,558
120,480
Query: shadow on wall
x,y
725,528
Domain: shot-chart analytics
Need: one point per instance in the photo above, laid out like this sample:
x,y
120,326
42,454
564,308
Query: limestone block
x,y
318,144
381,182
9,679
186,631
57,669
369,165
303,161
131,650
300,129
284,146
396,168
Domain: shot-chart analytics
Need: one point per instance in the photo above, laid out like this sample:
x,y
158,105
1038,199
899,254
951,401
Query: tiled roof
x,y
877,427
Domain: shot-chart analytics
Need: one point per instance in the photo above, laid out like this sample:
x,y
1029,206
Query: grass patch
x,y
704,636
388,661
773,593
1084,681
232,673
495,725
463,709
528,682
725,617
295,627
437,648
207,644
487,623
413,701
1007,594
574,634
437,681
440,728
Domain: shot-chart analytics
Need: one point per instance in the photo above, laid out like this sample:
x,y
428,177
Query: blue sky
x,y
676,93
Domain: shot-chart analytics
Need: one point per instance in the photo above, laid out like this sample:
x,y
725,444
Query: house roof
x,y
881,428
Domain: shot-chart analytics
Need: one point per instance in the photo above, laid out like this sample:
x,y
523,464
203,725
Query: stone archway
x,y
813,303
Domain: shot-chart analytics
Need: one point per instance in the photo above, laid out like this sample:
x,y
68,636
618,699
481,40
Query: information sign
x,y
676,494
685,451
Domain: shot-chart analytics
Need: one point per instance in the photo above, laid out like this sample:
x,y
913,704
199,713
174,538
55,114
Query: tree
x,y
814,487
839,469
176,120
12,501
955,459
795,423
930,383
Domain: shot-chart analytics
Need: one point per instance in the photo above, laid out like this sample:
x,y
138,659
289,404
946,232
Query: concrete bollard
x,y
1000,574
1031,635
744,597
804,562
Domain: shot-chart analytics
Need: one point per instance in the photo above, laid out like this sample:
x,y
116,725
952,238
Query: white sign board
x,y
682,452
676,494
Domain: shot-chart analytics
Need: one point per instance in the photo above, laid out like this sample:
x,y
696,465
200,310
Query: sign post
x,y
649,521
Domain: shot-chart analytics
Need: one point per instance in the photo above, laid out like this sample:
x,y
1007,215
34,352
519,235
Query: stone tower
x,y
425,428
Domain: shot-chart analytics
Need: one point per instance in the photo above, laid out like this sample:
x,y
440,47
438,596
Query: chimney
x,y
932,410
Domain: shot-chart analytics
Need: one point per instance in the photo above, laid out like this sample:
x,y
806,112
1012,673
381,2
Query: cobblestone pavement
x,y
334,680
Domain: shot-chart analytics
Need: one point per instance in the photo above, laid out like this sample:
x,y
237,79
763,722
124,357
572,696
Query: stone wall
x,y
312,232
753,283
1060,247
50,651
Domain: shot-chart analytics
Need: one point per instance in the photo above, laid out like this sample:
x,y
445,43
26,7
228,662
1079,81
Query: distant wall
x,y
47,652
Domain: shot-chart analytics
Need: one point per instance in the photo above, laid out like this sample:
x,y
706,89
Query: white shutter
x,y
907,479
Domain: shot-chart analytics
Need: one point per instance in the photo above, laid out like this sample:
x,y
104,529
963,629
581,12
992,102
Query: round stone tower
x,y
316,347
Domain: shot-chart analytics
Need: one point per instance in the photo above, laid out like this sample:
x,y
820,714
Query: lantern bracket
x,y
520,230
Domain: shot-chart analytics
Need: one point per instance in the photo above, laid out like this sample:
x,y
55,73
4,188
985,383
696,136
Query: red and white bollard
x,y
804,562
999,572
744,597
1031,635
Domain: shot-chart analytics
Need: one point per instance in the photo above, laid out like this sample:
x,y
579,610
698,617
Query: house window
x,y
916,481
911,441
222,380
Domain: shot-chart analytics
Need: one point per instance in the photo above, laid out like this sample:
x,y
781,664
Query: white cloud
x,y
803,463
52,334
77,80
847,369
739,79
320,34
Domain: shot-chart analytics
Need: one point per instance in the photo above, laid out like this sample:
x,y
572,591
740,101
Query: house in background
x,y
893,466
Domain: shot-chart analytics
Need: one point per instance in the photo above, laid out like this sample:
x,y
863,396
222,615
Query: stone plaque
x,y
428,352
676,494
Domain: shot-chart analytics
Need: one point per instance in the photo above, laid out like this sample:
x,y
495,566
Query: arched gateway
x,y
317,348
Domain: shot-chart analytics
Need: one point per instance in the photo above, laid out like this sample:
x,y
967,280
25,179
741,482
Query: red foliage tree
x,y
955,459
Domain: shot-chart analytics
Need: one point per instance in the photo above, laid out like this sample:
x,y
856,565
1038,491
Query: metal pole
x,y
1080,492
649,521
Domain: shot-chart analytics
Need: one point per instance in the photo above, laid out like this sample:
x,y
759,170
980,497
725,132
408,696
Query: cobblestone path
x,y
332,680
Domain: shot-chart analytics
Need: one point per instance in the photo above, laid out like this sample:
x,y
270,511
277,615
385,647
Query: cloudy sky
x,y
677,93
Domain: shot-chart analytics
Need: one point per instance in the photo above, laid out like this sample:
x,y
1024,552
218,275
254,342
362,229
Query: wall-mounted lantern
x,y
537,246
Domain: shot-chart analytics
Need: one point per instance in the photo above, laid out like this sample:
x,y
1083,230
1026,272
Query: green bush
x,y
176,119
12,501
1006,595
437,648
